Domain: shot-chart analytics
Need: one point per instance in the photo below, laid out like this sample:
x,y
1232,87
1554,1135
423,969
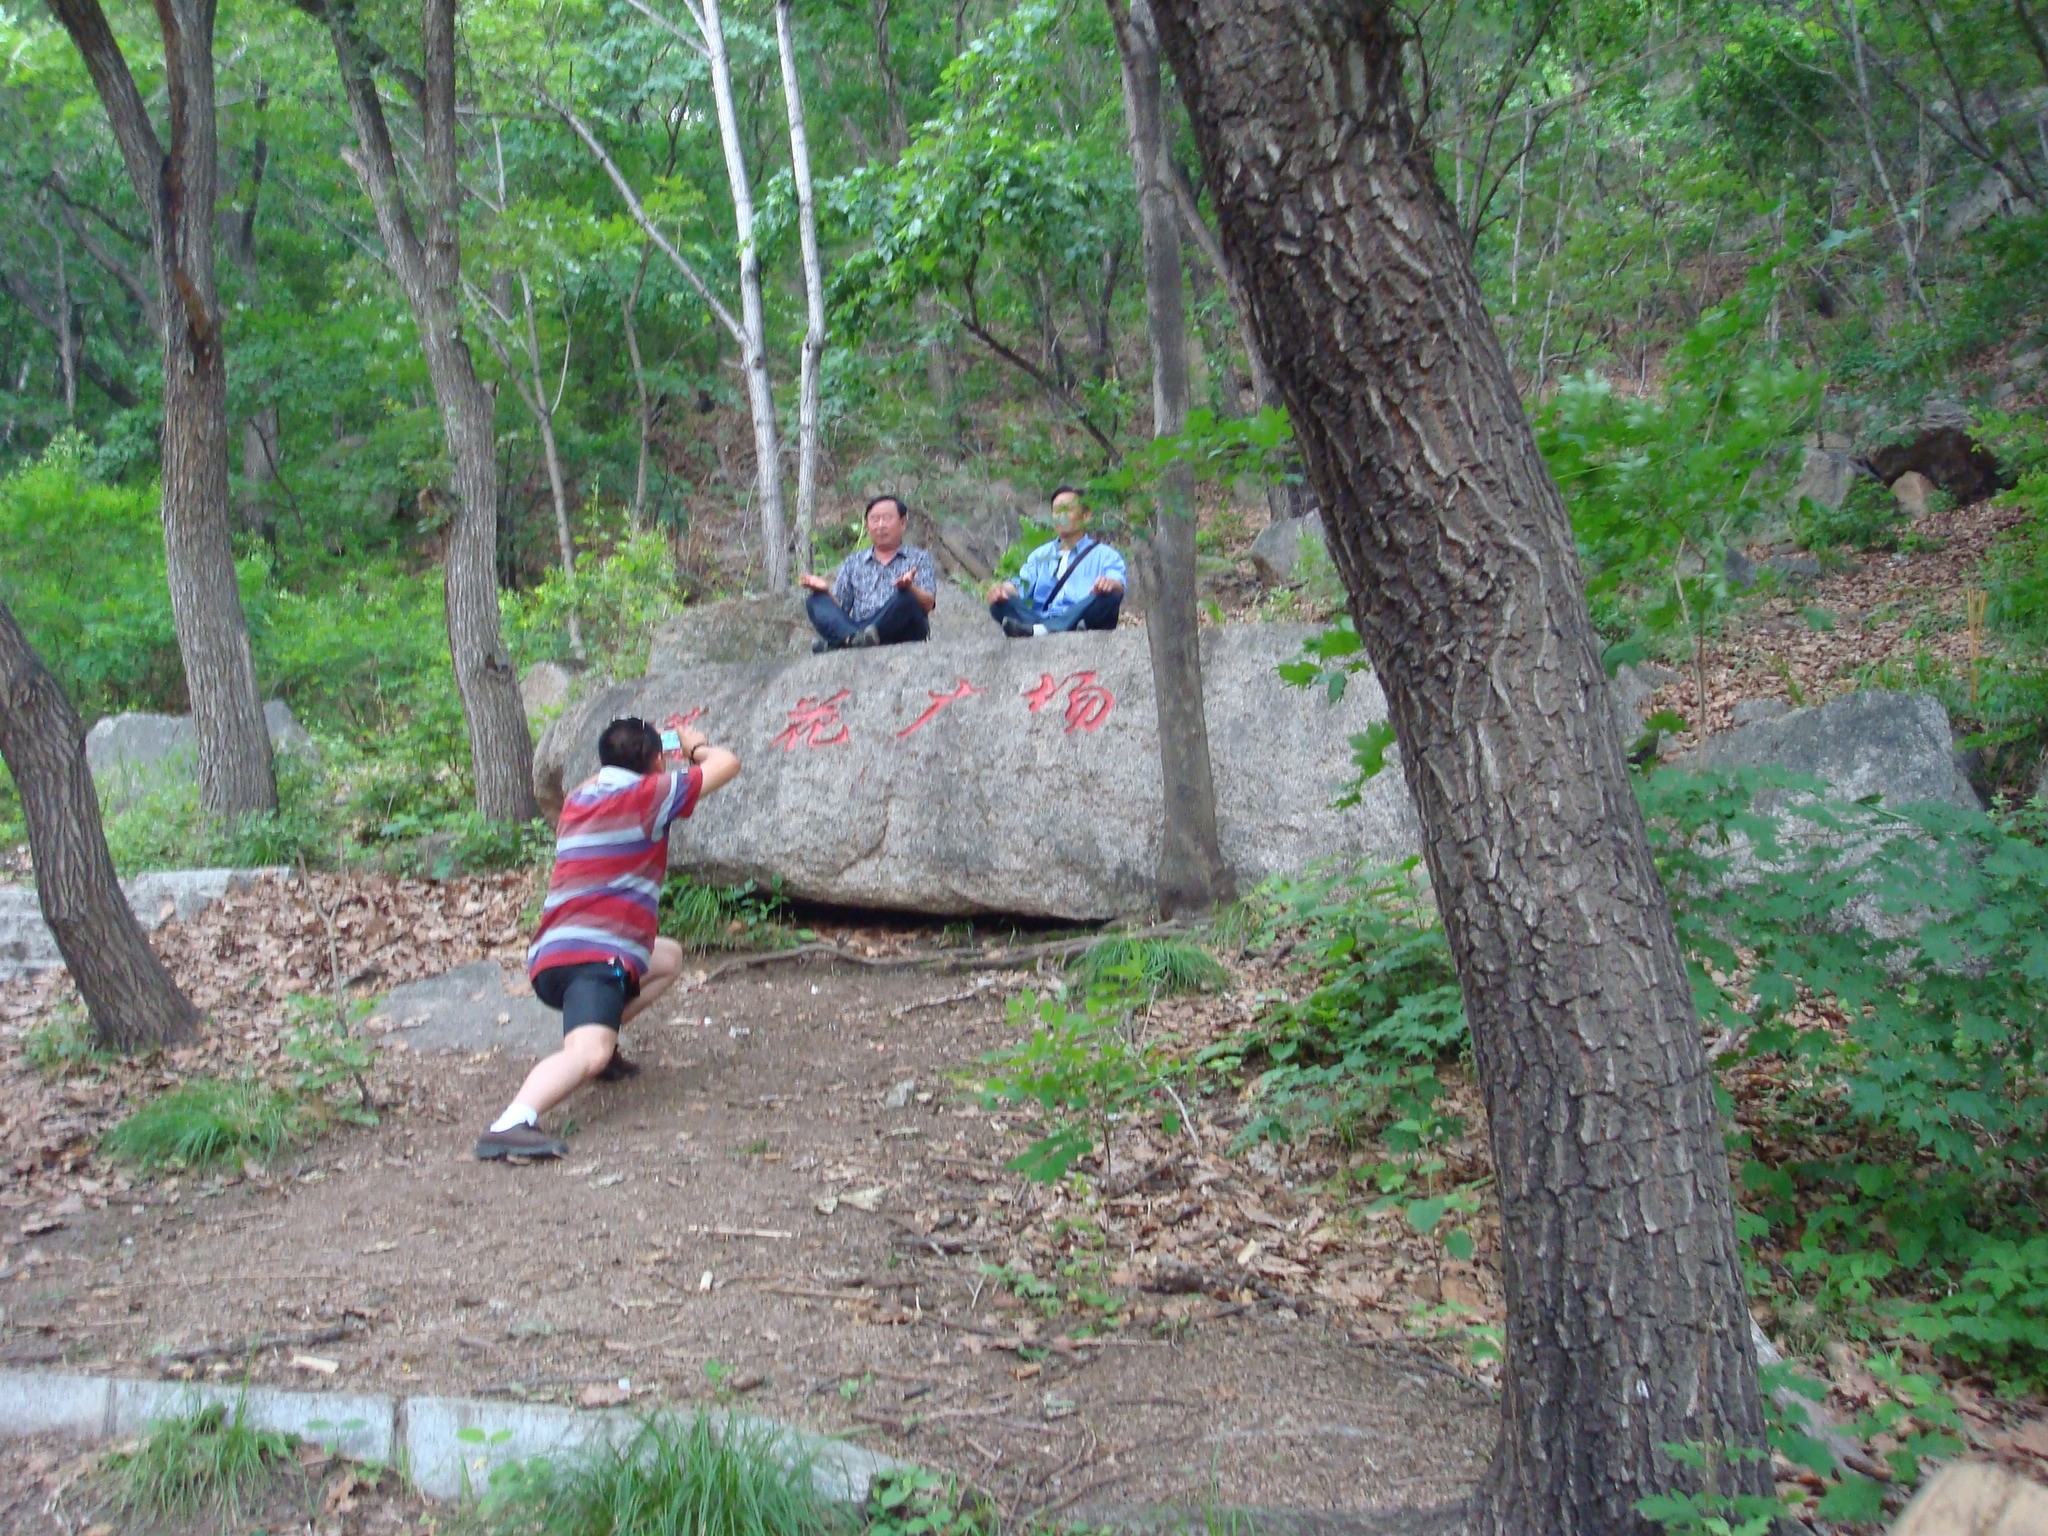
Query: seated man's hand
x,y
1002,591
813,583
1104,585
907,582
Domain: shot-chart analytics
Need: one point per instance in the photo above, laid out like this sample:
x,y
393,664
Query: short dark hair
x,y
630,743
902,506
1071,490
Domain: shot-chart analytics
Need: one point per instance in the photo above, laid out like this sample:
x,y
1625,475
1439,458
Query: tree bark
x,y
429,271
752,329
1627,1327
1191,874
808,388
260,429
178,187
129,995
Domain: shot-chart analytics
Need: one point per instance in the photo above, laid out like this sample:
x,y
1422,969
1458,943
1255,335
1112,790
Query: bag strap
x,y
1080,550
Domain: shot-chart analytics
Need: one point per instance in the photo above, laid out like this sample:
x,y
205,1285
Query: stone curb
x,y
447,1444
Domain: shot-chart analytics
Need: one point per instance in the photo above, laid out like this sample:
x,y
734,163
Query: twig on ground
x,y
257,1346
973,958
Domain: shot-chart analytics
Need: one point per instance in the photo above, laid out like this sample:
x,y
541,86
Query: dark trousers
x,y
1099,612
902,618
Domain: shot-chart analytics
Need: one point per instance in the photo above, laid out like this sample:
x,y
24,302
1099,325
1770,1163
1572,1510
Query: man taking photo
x,y
596,957
1072,581
882,595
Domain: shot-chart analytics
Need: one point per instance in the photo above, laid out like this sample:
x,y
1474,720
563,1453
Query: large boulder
x,y
546,687
1277,552
129,754
1976,1498
1000,776
1894,745
739,630
1938,444
1826,472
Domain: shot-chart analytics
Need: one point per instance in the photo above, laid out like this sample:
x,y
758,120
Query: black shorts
x,y
595,992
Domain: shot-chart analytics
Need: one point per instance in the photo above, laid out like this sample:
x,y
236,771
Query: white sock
x,y
518,1114
1038,629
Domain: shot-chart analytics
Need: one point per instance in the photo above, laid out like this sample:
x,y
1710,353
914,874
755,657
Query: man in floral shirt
x,y
882,595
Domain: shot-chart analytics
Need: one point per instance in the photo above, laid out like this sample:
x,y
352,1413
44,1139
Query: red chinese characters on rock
x,y
815,723
961,690
681,723
1088,702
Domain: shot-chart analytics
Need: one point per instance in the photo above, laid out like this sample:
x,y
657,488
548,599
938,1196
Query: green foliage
x,y
330,1061
1660,487
205,1122
619,597
710,917
1158,967
1869,518
63,1043
701,1476
1995,1317
209,1460
1385,1011
915,1502
164,828
1085,1069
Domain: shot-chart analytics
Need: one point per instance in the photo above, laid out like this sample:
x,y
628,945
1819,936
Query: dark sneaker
x,y
520,1141
864,637
618,1069
1016,629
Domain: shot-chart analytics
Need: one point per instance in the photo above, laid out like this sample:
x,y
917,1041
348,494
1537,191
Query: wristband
x,y
700,747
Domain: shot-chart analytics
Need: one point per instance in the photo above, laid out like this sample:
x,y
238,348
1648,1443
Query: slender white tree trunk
x,y
814,295
753,322
638,515
558,486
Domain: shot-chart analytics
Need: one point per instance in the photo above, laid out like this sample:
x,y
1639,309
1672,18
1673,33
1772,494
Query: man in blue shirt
x,y
1074,581
882,595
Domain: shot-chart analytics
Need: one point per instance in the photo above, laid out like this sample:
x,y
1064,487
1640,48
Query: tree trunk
x,y
130,996
644,405
535,395
1626,1322
753,320
807,425
429,272
260,428
178,186
1191,876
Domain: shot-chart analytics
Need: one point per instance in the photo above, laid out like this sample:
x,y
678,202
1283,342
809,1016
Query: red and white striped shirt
x,y
611,855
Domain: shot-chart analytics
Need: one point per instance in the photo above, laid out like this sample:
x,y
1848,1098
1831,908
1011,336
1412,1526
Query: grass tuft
x,y
677,1477
63,1043
701,917
1161,967
205,1121
208,1460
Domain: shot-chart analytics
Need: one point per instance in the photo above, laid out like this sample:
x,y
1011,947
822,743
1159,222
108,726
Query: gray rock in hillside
x,y
1757,711
1630,691
1895,745
1276,553
467,1009
27,945
994,775
129,753
969,542
549,686
1827,471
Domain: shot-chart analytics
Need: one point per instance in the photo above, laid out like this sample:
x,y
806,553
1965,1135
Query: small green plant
x,y
205,1122
1083,1069
209,1460
1025,1286
915,1502
700,1476
63,1043
1869,518
1160,967
332,1061
706,917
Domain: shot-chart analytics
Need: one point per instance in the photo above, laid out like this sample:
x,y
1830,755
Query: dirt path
x,y
709,1239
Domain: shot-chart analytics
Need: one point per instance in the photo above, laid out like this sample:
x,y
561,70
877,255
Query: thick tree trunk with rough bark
x,y
1191,875
177,184
429,272
131,998
1627,1327
809,386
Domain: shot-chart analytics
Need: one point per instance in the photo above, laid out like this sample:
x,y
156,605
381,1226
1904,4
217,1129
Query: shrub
x,y
1869,518
676,1477
618,597
701,917
63,1043
204,1122
1154,967
209,1460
